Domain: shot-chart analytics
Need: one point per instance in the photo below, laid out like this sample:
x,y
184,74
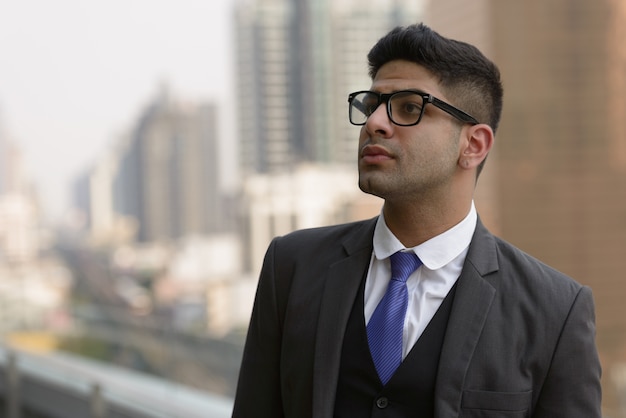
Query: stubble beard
x,y
383,185
426,184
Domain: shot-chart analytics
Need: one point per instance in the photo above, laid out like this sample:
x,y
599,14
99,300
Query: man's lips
x,y
371,154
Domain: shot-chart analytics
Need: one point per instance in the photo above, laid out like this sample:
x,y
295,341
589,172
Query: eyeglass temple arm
x,y
457,113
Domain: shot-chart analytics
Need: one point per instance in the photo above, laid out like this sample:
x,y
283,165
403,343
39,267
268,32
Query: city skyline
x,y
553,184
74,77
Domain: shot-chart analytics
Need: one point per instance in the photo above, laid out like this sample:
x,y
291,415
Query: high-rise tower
x,y
297,62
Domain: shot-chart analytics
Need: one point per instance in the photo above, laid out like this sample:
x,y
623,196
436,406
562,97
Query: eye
x,y
370,104
407,105
411,108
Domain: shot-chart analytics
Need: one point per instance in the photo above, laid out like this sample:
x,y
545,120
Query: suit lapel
x,y
469,312
342,284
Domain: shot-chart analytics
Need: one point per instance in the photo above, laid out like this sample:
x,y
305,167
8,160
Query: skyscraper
x,y
297,62
167,176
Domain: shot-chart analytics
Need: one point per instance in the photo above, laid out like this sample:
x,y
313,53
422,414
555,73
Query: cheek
x,y
363,137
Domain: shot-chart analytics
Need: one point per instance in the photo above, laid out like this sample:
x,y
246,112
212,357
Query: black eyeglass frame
x,y
428,98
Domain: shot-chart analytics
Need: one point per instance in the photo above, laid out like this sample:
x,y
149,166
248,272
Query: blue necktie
x,y
384,330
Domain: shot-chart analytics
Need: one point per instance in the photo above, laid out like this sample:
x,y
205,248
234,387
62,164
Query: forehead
x,y
402,75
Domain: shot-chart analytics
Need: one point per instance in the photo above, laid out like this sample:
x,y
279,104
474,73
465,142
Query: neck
x,y
417,223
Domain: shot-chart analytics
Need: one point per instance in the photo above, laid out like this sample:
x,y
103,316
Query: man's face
x,y
408,162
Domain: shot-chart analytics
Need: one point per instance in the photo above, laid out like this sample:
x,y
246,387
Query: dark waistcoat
x,y
410,392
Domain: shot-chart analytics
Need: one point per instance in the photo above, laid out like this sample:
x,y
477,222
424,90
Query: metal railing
x,y
57,385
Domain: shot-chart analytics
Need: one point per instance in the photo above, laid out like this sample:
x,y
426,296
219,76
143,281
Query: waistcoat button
x,y
382,402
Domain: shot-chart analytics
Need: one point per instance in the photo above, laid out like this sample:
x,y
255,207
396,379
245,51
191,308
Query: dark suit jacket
x,y
519,342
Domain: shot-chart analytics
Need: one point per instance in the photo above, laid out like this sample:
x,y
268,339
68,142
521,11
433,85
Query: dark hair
x,y
463,71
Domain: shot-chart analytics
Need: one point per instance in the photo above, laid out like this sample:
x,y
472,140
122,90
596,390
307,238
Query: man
x,y
473,327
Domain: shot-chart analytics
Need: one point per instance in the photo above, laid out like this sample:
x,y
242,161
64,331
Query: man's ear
x,y
475,145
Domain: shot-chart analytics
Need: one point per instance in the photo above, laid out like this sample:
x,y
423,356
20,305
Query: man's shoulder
x,y
329,231
506,265
521,270
512,254
310,240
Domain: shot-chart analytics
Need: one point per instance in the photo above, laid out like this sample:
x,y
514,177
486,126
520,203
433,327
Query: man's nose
x,y
378,121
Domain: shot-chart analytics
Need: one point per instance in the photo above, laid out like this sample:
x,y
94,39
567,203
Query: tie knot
x,y
403,264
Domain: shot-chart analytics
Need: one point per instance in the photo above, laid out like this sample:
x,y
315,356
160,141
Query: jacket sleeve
x,y
572,386
258,392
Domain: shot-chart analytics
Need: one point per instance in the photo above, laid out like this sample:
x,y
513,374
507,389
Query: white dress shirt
x,y
442,260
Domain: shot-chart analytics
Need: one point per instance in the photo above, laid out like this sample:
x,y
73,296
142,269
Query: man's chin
x,y
367,185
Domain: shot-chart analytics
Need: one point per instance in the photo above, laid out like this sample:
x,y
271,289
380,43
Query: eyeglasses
x,y
404,108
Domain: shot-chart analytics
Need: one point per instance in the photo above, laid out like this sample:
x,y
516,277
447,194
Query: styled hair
x,y
469,79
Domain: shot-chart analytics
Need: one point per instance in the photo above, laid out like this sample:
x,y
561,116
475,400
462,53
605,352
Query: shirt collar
x,y
434,253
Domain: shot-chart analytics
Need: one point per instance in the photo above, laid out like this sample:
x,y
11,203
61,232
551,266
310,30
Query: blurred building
x,y
34,296
154,200
203,285
297,61
160,183
558,180
19,229
13,176
168,178
34,289
19,217
311,196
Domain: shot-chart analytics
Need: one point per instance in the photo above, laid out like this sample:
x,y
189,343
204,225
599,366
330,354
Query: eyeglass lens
x,y
403,108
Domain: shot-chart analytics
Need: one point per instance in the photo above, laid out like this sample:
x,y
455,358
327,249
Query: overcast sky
x,y
74,74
